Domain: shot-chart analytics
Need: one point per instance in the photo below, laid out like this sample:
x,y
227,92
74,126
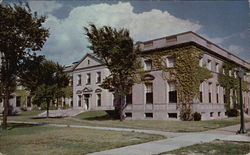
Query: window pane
x,y
172,96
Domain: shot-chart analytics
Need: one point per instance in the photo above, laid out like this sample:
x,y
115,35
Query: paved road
x,y
174,140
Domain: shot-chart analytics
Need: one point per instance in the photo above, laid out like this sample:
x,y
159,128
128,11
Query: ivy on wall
x,y
187,73
230,82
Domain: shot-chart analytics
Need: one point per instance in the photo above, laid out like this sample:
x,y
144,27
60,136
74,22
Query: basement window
x,y
211,114
172,115
149,115
128,114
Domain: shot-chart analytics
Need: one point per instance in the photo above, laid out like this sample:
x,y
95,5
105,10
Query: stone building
x,y
156,98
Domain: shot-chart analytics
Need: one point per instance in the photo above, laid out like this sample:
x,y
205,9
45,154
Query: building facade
x,y
157,98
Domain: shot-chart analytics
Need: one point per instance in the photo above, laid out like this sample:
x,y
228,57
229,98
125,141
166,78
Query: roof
x,y
191,37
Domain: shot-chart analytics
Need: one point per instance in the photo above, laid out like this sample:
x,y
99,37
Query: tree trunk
x,y
5,112
47,108
122,107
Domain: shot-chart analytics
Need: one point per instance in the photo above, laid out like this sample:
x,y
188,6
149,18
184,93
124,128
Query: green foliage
x,y
68,92
197,116
116,49
187,73
231,83
21,33
47,81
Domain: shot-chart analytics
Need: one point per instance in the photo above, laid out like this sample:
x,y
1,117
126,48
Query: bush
x,y
232,113
197,116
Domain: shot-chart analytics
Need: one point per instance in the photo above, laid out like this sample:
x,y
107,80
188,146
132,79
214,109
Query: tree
x,y
116,49
45,82
21,34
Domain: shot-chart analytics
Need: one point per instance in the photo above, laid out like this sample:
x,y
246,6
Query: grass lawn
x,y
100,118
216,147
27,139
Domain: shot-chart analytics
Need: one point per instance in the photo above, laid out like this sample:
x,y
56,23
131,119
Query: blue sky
x,y
225,23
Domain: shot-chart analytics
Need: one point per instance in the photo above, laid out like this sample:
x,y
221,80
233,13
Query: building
x,y
156,98
87,75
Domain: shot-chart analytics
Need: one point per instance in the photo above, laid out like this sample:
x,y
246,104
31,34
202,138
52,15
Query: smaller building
x,y
87,74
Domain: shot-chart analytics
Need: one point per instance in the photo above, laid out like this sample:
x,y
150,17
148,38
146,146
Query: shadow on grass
x,y
47,117
19,125
100,118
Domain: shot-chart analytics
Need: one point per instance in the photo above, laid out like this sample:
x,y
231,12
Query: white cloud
x,y
235,49
43,7
67,42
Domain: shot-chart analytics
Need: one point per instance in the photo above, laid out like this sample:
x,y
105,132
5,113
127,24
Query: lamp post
x,y
242,125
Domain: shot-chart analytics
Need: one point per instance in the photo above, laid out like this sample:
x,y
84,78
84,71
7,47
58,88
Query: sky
x,y
225,23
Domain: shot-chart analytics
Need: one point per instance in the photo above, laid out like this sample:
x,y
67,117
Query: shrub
x,y
232,113
197,116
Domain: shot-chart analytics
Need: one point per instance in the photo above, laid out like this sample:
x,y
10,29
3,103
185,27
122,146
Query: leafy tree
x,y
21,33
116,49
46,81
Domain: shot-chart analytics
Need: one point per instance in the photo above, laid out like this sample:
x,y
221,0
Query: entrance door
x,y
87,101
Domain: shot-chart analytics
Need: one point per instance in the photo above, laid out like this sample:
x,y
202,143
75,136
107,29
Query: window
x,y
148,65
171,61
217,67
98,100
149,115
28,101
209,64
128,114
149,93
219,114
217,93
171,39
224,95
79,79
201,95
211,114
235,74
210,93
88,78
18,101
71,81
201,62
98,77
148,44
172,92
79,100
172,115
129,97
88,62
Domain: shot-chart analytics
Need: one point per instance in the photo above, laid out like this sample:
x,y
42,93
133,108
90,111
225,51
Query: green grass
x,y
29,140
100,118
216,148
174,126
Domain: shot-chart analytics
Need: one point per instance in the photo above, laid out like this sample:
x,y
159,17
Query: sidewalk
x,y
173,141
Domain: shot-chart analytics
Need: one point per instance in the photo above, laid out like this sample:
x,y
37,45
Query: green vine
x,y
187,73
230,82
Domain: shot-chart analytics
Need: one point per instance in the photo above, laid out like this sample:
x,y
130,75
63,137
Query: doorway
x,y
87,101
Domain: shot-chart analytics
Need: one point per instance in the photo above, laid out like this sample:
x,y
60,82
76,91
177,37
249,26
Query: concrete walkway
x,y
174,140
